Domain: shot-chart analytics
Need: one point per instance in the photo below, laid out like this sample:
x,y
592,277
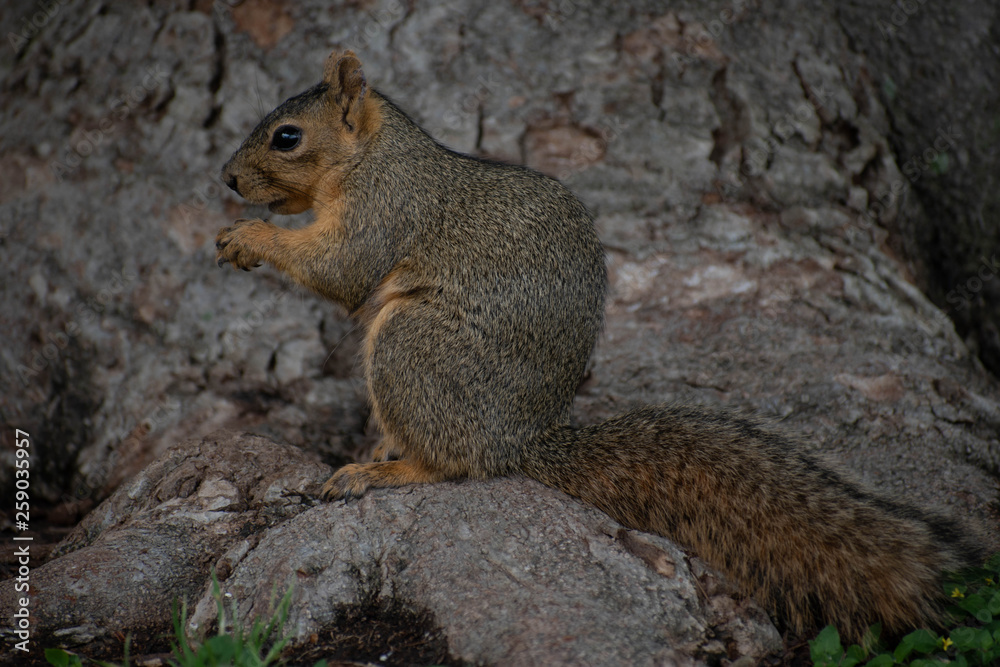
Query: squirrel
x,y
480,288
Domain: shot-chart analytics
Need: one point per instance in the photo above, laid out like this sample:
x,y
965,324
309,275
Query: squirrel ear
x,y
347,85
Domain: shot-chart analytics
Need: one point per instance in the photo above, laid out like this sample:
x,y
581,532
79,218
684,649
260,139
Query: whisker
x,y
260,103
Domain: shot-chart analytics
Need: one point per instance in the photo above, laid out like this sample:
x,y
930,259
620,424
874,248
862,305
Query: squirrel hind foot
x,y
355,479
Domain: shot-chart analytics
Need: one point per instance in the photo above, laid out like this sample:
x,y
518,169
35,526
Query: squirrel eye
x,y
286,138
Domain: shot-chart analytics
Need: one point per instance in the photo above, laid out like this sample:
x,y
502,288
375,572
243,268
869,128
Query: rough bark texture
x,y
938,70
732,155
152,542
510,571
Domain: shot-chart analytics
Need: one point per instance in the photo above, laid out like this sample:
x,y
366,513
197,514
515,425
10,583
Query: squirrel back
x,y
481,289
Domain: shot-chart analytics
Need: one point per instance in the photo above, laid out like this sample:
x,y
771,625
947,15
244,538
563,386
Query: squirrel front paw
x,y
242,244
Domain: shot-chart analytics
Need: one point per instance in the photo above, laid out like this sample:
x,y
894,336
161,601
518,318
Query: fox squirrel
x,y
480,287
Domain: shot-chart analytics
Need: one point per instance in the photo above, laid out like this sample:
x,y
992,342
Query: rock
x,y
511,571
156,538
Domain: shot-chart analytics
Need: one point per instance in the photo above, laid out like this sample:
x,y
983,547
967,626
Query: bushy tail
x,y
806,542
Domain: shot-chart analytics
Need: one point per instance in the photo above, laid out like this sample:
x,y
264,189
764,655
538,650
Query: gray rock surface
x,y
729,153
513,572
155,540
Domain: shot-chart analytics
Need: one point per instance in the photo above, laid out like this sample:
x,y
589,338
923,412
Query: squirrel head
x,y
299,153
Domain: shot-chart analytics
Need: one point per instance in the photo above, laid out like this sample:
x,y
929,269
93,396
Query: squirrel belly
x,y
481,288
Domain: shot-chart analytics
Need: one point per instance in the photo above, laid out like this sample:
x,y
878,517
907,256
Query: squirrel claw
x,y
240,245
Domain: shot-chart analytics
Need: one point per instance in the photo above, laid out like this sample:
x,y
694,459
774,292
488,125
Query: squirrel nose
x,y
229,176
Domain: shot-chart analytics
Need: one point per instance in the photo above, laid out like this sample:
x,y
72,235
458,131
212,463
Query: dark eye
x,y
286,138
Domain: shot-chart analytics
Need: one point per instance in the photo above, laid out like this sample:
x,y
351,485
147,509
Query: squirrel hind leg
x,y
387,450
